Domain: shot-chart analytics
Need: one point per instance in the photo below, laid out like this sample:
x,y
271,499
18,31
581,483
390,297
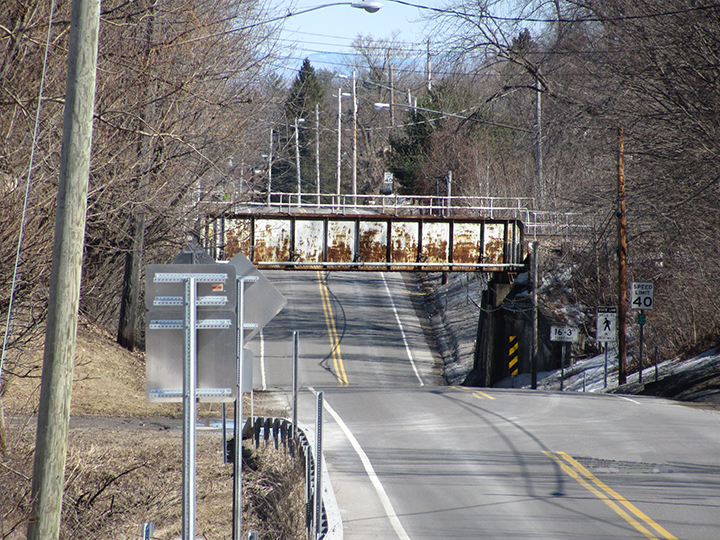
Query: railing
x,y
538,223
279,431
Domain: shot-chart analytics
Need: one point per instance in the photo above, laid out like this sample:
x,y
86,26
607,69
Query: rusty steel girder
x,y
375,242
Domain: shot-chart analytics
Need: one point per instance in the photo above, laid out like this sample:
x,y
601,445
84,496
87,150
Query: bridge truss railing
x,y
538,223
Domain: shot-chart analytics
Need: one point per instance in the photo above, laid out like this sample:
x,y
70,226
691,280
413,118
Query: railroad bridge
x,y
399,237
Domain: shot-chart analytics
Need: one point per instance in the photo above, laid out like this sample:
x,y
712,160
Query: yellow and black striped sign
x,y
513,356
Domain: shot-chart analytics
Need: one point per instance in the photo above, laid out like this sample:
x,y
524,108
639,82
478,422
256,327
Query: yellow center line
x,y
622,500
475,393
332,331
579,471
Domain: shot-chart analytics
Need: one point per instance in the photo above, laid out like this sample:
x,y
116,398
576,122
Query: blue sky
x,y
320,35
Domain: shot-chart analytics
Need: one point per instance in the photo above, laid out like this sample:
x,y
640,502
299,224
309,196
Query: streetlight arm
x,y
371,6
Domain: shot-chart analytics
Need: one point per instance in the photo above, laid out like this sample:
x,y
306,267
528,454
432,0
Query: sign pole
x,y
189,409
296,348
606,363
562,366
318,464
237,461
641,320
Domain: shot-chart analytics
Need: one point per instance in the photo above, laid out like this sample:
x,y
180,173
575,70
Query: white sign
x,y
563,333
388,178
606,324
642,296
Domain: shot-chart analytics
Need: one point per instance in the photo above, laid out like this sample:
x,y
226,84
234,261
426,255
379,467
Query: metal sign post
x,y
643,298
317,515
189,410
185,365
642,319
564,334
296,352
237,461
606,330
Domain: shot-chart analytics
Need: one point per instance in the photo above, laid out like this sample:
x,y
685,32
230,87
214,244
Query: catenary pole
x,y
60,335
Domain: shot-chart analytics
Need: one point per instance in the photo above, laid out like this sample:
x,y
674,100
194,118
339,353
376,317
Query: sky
x,y
322,34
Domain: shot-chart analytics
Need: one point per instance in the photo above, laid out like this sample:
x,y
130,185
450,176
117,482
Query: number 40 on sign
x,y
642,296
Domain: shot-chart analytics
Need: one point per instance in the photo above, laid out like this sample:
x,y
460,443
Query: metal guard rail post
x,y
280,430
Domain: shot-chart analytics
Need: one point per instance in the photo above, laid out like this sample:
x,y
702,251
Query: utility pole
x,y
297,159
355,111
317,151
129,299
339,142
622,263
538,137
60,335
429,68
392,97
270,164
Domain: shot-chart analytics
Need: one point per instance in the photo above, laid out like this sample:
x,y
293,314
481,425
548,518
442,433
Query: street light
x,y
370,6
269,157
297,158
341,95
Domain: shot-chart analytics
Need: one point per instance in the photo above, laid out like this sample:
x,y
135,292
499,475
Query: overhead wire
x,y
23,218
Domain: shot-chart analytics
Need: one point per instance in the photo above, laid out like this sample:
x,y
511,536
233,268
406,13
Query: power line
x,y
670,13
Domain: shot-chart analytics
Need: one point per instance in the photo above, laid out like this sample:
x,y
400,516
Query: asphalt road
x,y
410,458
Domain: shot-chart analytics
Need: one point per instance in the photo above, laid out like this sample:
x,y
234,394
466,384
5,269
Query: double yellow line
x,y
332,330
610,497
475,393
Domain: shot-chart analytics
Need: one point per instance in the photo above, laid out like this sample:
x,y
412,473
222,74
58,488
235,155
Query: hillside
x,y
124,461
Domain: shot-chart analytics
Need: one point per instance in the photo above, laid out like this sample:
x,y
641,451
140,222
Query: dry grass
x,y
123,470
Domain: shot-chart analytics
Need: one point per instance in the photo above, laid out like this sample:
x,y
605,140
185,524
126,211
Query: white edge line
x,y
630,400
402,331
384,499
262,360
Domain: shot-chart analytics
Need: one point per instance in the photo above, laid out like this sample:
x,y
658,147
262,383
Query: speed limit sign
x,y
643,293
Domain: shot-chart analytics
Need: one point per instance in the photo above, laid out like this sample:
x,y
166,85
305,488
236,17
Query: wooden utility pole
x,y
392,97
538,138
622,264
54,413
429,68
129,299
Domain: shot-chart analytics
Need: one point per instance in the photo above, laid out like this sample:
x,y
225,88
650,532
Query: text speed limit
x,y
643,295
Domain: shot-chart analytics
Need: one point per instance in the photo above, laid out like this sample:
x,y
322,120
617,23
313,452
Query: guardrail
x,y
278,431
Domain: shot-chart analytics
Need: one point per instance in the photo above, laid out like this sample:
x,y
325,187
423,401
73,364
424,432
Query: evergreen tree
x,y
305,92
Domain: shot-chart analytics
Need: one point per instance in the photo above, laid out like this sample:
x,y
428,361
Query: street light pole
x,y
339,143
297,159
270,164
317,151
355,110
341,95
